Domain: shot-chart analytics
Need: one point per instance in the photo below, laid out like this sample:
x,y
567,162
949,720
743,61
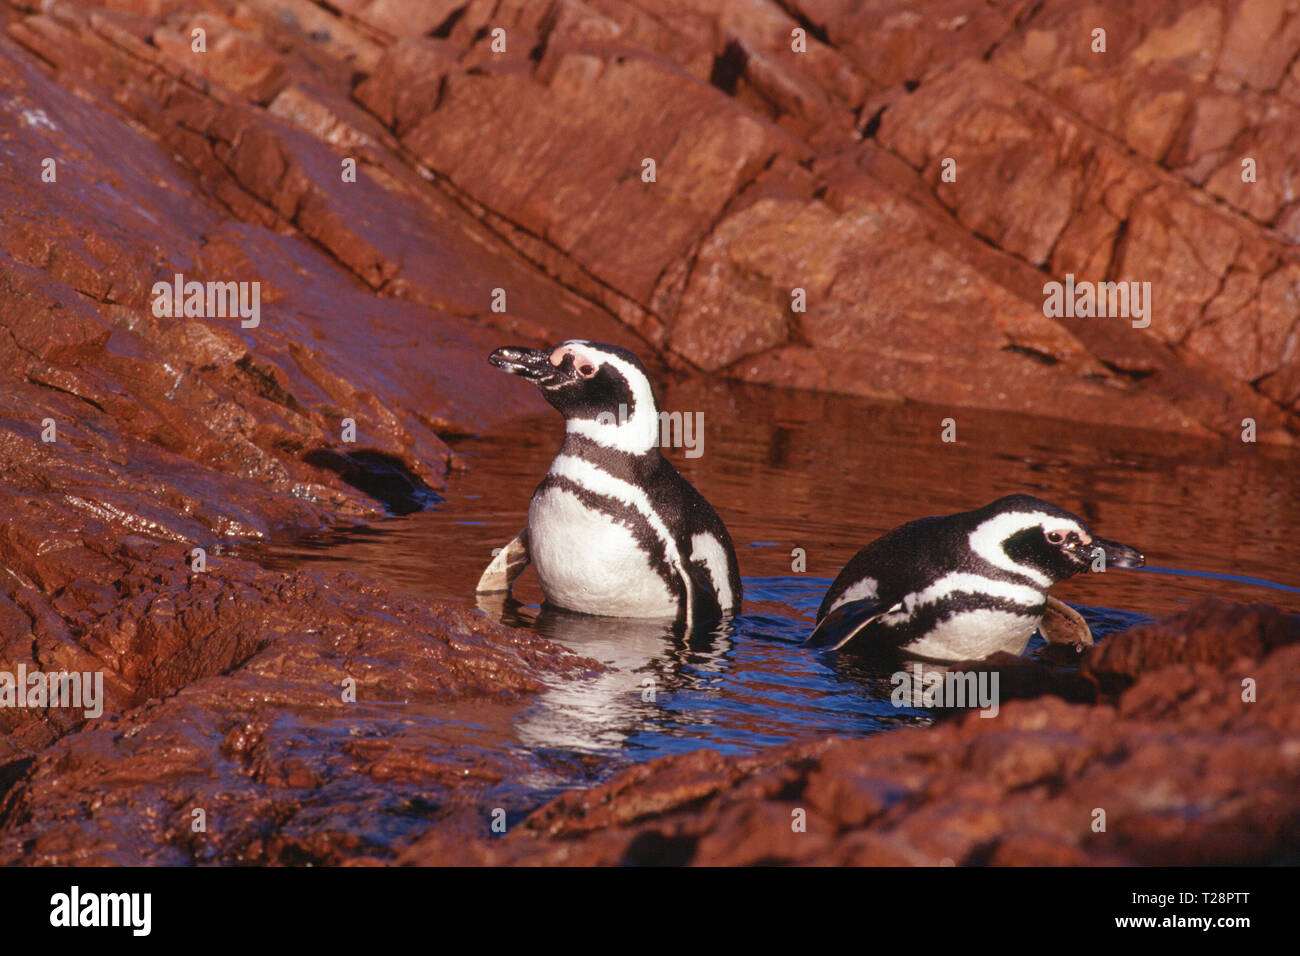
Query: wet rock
x,y
1213,632
268,704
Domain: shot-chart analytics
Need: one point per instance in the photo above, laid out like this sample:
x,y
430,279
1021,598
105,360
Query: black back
x,y
915,554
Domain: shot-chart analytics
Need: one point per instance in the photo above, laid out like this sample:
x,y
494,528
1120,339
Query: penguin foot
x,y
508,564
1062,624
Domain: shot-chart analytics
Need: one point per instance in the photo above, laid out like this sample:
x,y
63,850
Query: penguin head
x,y
1035,538
603,391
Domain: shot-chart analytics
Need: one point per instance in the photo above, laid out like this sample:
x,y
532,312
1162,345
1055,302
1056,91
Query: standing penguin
x,y
613,529
965,586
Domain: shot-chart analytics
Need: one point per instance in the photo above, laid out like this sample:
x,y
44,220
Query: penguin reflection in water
x,y
614,529
966,586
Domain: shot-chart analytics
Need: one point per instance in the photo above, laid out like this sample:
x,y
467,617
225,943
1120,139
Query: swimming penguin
x,y
613,529
965,586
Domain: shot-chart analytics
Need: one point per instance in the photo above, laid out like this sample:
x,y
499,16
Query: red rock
x,y
229,56
1213,632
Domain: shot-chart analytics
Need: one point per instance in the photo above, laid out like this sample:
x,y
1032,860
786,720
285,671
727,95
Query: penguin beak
x,y
533,365
1118,555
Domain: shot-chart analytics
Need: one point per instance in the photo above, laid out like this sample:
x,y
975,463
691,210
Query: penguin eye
x,y
586,369
1056,537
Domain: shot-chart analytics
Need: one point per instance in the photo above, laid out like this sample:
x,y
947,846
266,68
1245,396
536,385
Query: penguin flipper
x,y
845,623
509,563
1062,624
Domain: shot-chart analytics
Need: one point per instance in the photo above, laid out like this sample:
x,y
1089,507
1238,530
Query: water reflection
x,y
741,684
646,663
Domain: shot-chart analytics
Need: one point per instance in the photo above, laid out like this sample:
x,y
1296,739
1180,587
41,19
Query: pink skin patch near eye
x,y
1058,535
586,368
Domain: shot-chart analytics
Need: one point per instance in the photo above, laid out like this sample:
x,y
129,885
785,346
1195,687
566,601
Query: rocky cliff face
x,y
817,194
750,189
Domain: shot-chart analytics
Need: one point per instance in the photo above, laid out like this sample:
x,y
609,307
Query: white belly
x,y
588,562
976,634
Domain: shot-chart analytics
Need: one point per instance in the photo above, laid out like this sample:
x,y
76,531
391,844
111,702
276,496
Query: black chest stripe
x,y
635,469
632,519
928,616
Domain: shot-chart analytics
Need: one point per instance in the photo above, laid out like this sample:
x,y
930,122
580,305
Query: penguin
x,y
613,529
966,586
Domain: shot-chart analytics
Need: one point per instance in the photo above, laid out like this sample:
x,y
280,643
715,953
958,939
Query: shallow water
x,y
827,474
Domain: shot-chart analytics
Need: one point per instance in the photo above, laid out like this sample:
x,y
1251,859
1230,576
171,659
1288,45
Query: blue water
x,y
747,684
1211,576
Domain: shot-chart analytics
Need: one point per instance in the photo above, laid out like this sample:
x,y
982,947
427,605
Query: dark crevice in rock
x,y
1027,15
872,126
54,388
1043,358
981,854
816,31
264,384
729,67
11,773
657,849
1117,245
385,478
443,29
1132,374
